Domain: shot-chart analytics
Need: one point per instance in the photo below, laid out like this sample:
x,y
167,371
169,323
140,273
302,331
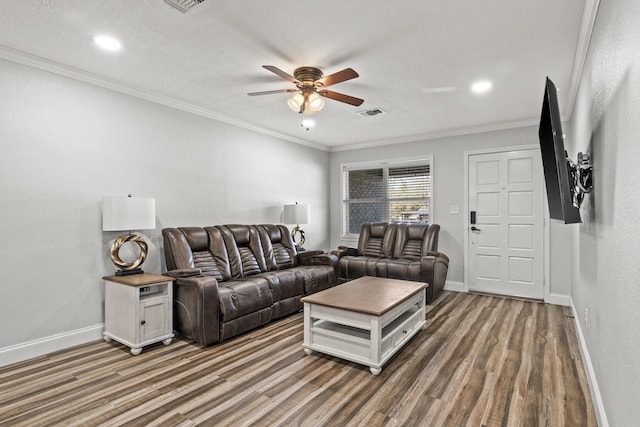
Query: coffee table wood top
x,y
369,295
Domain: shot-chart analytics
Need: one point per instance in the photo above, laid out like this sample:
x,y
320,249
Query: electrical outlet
x,y
586,317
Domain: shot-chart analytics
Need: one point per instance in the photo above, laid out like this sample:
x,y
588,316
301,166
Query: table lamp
x,y
128,213
297,214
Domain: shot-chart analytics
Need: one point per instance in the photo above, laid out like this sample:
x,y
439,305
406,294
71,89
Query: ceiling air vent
x,y
183,5
371,113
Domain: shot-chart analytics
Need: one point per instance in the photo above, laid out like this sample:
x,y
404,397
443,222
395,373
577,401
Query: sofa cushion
x,y
403,269
244,249
413,241
240,297
287,287
195,248
218,250
278,247
352,267
317,277
285,283
376,239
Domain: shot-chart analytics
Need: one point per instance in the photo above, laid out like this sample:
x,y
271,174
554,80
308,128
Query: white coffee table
x,y
366,320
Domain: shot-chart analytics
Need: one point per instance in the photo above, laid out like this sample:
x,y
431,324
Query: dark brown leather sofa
x,y
396,251
232,278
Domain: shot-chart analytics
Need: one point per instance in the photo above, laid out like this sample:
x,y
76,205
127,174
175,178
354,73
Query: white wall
x,y
67,144
606,264
448,185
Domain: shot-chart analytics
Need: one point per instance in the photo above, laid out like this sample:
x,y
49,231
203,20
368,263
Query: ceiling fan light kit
x,y
310,83
306,104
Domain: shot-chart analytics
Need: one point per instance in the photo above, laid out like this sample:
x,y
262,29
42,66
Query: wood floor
x,y
481,361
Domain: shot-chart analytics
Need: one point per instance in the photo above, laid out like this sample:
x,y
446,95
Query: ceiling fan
x,y
310,84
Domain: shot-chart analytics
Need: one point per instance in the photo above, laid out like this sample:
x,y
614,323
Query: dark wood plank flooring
x,y
481,361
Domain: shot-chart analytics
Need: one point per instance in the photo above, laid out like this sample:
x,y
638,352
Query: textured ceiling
x,y
416,59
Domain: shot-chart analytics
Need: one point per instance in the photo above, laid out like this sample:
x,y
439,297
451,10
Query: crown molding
x,y
440,134
582,48
98,80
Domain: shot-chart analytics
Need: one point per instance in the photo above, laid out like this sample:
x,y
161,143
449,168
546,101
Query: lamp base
x,y
298,241
128,268
129,272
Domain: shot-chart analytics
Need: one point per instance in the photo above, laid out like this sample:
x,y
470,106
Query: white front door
x,y
505,223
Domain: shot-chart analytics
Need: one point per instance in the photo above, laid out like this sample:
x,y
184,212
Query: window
x,y
389,191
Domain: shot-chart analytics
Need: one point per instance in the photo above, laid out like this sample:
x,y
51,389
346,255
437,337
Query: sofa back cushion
x,y
414,241
244,249
217,248
376,239
277,246
196,247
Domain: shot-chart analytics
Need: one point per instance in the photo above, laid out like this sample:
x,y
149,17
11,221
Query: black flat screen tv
x,y
555,161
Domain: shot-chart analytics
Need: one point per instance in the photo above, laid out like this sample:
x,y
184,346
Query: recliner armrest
x,y
318,259
321,259
309,253
442,256
433,270
184,272
197,308
344,251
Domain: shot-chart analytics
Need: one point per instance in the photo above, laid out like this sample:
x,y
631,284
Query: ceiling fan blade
x,y
340,76
341,97
269,92
281,73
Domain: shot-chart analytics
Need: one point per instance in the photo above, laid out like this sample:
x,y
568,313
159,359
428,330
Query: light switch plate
x,y
454,209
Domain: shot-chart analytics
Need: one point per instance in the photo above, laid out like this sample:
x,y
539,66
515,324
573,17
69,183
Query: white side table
x,y
138,310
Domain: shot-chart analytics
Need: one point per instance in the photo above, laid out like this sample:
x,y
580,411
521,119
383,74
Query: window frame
x,y
345,168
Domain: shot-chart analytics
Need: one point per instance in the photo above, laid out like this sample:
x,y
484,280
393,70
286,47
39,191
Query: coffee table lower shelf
x,y
363,338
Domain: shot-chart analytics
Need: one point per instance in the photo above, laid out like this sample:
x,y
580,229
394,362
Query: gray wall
x,y
448,186
606,265
67,144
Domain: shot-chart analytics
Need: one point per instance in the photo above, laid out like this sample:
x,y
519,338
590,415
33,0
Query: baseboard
x,y
450,285
28,350
559,299
596,397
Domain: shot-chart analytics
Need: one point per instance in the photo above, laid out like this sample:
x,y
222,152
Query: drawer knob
x,y
143,322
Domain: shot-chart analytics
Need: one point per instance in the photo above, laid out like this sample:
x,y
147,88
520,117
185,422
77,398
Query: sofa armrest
x,y
318,259
309,253
196,308
344,251
184,272
433,270
321,259
441,256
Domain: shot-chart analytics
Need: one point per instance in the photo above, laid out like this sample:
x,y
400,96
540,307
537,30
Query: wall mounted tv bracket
x,y
580,177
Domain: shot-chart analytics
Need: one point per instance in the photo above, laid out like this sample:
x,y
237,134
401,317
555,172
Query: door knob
x,y
474,228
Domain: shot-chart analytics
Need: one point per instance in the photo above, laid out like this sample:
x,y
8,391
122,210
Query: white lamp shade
x,y
296,102
128,213
315,102
296,214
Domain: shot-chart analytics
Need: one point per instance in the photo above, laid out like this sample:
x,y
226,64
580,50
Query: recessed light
x,y
481,86
108,43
